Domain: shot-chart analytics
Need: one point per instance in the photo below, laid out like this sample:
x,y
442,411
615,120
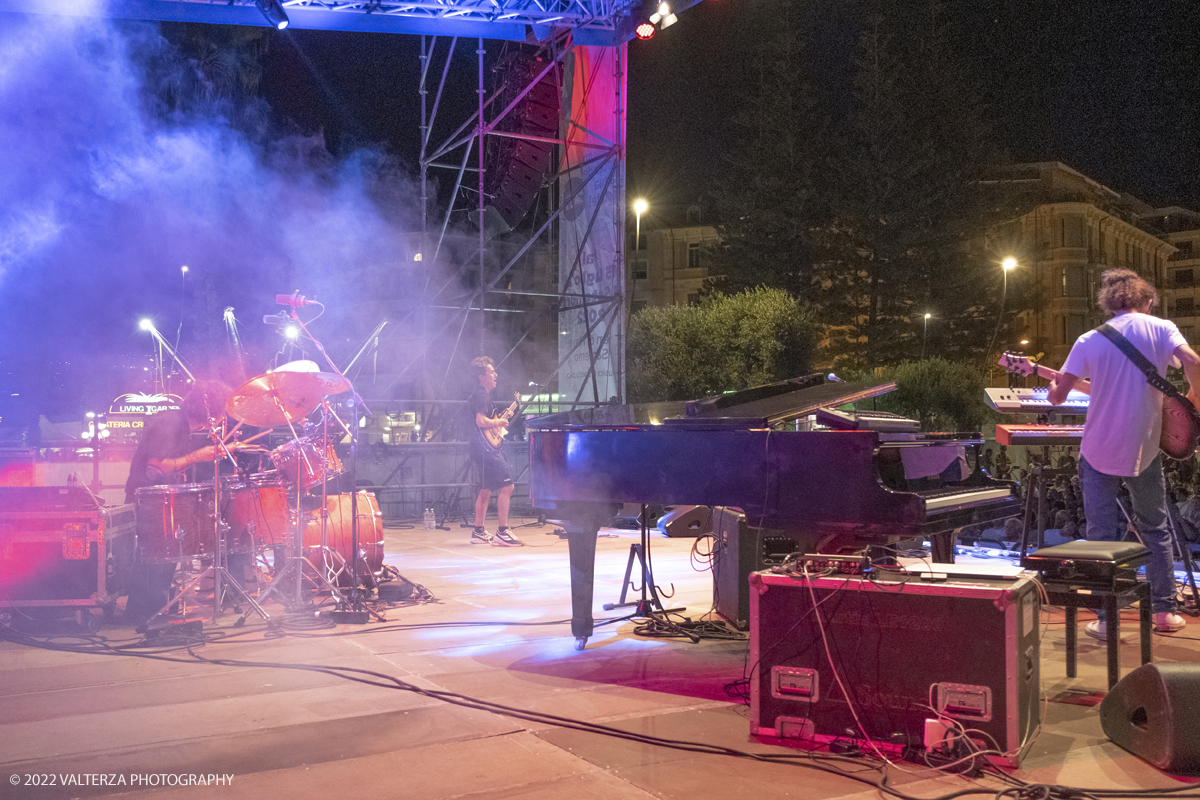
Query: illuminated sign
x,y
128,413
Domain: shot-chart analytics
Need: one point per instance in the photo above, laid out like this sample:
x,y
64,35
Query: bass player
x,y
1120,444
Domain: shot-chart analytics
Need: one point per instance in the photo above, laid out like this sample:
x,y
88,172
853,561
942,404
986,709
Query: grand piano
x,y
869,479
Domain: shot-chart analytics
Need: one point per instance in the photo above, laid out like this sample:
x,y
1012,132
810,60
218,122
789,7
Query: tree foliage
x,y
728,342
870,208
944,395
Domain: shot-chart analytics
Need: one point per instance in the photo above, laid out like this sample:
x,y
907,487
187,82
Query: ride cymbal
x,y
278,398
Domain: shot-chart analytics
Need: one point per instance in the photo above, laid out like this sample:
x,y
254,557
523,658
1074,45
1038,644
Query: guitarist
x,y
1121,436
494,472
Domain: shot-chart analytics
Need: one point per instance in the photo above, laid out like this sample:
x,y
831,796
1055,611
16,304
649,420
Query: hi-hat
x,y
281,397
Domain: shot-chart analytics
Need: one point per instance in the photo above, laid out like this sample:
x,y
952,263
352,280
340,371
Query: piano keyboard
x,y
1020,400
1039,435
943,500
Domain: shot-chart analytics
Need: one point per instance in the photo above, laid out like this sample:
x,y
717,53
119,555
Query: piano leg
x,y
941,546
582,525
582,545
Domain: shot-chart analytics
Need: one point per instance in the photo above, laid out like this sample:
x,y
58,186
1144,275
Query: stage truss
x,y
587,177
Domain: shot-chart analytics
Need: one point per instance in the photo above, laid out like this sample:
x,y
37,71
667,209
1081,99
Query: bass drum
x,y
338,535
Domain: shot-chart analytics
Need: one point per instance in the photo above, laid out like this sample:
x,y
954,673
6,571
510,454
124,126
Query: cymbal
x,y
281,397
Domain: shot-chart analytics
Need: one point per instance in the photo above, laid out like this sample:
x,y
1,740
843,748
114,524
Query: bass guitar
x,y
1180,421
495,436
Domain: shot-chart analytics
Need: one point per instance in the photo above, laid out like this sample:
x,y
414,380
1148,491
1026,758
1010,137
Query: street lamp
x,y
639,207
1005,265
925,334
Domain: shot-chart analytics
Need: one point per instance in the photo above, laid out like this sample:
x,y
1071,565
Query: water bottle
x,y
430,519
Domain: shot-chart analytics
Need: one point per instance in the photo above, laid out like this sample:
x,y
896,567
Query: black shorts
x,y
494,472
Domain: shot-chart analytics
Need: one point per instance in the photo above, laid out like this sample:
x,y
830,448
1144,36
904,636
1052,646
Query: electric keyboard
x,y
1039,435
1019,400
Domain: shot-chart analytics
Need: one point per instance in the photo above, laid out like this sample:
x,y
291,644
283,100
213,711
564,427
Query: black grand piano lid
x,y
749,408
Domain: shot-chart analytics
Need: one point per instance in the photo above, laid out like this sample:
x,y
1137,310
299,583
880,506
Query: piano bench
x,y
1112,599
1096,575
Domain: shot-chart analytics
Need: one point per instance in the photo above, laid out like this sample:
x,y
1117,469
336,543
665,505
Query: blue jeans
x,y
1106,523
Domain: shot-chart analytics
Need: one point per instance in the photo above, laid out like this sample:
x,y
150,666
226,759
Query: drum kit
x,y
285,508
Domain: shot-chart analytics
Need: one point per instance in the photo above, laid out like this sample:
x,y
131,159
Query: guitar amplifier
x,y
829,649
739,550
60,547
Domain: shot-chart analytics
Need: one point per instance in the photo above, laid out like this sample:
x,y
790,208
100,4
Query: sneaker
x,y
1166,622
1098,630
504,538
480,535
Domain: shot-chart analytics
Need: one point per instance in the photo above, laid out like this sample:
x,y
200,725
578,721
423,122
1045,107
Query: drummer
x,y
167,449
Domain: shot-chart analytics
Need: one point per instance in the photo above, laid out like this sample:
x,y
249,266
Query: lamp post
x,y
639,207
925,334
1005,265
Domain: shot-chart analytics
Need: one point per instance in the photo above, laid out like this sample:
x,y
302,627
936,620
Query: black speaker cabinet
x,y
687,521
894,650
738,551
1154,713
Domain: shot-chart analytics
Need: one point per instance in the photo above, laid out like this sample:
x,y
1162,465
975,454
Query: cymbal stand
x,y
218,569
296,561
355,600
326,550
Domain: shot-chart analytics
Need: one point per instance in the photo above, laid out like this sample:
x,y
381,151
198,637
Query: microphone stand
x,y
354,609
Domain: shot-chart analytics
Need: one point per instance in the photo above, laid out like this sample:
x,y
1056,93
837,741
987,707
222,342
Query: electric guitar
x,y
1180,421
495,436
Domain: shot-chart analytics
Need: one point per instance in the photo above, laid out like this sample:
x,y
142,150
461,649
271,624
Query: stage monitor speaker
x,y
1154,713
687,521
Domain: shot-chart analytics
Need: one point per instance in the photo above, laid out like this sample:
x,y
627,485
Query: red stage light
x,y
644,31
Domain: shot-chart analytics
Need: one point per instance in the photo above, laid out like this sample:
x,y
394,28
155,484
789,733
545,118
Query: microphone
x,y
295,299
277,319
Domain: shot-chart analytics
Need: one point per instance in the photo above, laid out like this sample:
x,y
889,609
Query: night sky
x,y
1108,87
98,208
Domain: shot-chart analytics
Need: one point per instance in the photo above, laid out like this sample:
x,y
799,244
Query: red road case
x,y
59,547
901,648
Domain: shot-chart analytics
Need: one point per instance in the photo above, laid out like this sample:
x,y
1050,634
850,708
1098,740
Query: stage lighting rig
x,y
274,13
656,16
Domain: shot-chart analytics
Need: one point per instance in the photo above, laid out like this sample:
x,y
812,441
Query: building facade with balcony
x,y
1181,302
1065,245
672,262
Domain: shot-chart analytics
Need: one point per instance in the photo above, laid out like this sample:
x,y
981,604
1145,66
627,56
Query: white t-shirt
x,y
1124,419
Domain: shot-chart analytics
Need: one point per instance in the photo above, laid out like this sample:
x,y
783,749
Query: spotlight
x,y
644,31
146,325
291,332
663,18
273,11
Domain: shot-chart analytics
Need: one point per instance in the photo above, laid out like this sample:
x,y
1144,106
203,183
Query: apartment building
x,y
669,260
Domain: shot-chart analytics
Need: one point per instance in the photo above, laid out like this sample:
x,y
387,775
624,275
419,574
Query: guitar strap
x,y
1153,377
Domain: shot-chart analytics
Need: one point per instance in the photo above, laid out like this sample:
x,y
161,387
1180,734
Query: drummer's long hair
x,y
206,401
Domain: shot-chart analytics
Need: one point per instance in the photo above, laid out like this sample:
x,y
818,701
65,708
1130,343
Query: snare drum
x,y
338,533
309,460
175,523
257,513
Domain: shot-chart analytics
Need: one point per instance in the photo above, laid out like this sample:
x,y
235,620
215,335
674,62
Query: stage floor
x,y
497,633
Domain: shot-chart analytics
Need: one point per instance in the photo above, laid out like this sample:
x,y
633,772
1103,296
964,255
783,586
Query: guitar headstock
x,y
1015,362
